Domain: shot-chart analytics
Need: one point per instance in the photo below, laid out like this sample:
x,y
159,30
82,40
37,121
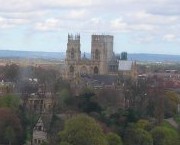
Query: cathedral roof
x,y
100,79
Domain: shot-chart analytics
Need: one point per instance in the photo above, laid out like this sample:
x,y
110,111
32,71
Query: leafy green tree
x,y
10,127
133,115
10,135
170,103
65,143
10,101
114,139
66,97
44,143
143,124
82,130
55,125
137,136
165,136
87,103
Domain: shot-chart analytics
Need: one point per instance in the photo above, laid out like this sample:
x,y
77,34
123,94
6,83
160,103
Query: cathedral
x,y
102,61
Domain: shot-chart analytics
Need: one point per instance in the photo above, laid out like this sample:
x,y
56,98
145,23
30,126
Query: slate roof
x,y
45,119
100,79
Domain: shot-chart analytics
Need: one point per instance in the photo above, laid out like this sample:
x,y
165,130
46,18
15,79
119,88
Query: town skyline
x,y
151,27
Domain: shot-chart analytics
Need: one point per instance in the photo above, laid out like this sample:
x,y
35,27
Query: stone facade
x,y
40,103
101,56
39,133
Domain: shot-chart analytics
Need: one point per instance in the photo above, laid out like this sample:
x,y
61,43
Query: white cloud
x,y
7,23
29,5
48,25
143,39
142,27
154,17
119,25
169,37
67,3
76,14
148,18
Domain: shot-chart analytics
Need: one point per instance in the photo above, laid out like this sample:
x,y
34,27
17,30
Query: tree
x,y
10,135
86,102
11,72
10,127
137,136
55,125
165,136
64,143
65,97
170,104
82,130
10,101
113,139
144,124
44,143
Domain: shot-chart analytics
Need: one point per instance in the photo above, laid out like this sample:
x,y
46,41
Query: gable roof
x,y
45,120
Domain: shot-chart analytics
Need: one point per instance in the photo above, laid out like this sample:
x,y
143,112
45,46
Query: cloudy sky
x,y
138,26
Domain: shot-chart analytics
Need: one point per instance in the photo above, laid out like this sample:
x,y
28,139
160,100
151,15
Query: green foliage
x,y
66,96
60,85
177,118
143,124
114,139
133,115
165,136
137,136
10,127
167,124
65,143
55,125
44,143
82,130
86,102
10,101
64,100
170,103
10,134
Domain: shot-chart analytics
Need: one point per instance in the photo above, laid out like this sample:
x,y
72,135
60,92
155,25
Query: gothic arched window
x,y
72,53
96,71
97,54
71,69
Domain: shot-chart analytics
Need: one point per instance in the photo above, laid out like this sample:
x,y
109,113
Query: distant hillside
x,y
154,57
31,54
61,55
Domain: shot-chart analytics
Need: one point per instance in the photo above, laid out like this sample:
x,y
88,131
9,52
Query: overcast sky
x,y
138,26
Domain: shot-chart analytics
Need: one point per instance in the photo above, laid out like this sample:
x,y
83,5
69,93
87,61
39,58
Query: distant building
x,y
127,68
40,130
101,56
102,64
40,103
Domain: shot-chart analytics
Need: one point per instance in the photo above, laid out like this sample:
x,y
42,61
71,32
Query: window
x,y
97,54
40,128
72,53
96,71
71,69
35,141
39,141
